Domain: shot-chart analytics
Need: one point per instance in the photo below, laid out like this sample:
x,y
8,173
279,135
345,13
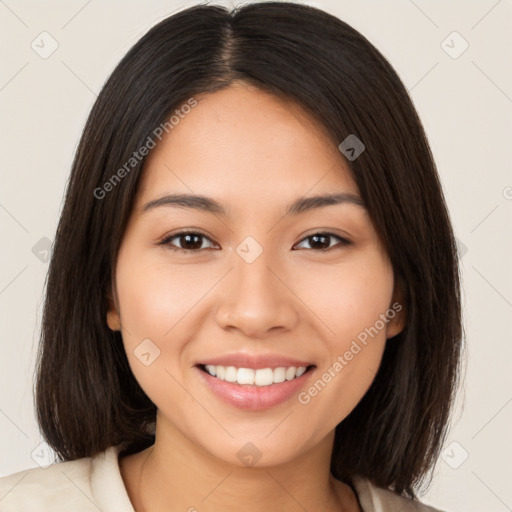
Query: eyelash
x,y
167,241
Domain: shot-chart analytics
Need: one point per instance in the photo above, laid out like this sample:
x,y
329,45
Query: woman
x,y
253,298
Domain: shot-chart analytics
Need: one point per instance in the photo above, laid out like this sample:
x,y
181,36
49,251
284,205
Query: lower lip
x,y
254,397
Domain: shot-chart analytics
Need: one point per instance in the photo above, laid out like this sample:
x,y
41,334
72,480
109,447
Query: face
x,y
252,293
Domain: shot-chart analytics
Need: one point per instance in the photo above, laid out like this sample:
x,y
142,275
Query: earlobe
x,y
113,320
397,313
395,325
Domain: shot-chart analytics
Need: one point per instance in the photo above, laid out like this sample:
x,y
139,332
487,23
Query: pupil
x,y
315,238
191,245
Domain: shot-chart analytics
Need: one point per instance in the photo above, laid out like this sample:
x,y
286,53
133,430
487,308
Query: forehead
x,y
242,140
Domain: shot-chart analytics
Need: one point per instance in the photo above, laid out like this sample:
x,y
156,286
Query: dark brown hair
x,y
87,398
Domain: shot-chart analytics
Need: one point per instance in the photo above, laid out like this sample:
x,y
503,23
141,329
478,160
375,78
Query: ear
x,y
397,313
113,317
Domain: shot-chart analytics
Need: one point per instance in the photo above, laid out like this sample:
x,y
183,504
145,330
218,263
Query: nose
x,y
256,298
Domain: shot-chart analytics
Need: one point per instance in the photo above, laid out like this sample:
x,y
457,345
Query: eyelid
x,y
165,241
343,241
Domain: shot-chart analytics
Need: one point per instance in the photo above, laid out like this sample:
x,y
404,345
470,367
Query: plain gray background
x,y
461,85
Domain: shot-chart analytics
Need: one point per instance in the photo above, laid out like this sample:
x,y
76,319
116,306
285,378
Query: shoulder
x,y
37,489
82,485
377,499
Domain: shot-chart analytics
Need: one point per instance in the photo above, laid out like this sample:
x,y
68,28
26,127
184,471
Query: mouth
x,y
258,377
254,389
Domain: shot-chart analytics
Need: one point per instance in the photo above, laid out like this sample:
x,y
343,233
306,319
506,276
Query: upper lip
x,y
241,360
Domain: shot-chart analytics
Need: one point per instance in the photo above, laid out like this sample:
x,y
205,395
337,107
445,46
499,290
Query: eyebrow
x,y
207,204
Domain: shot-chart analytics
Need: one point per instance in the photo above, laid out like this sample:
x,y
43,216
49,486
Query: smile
x,y
254,389
258,377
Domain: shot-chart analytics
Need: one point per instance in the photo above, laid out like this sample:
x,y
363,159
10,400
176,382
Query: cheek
x,y
154,301
155,297
349,297
158,302
351,303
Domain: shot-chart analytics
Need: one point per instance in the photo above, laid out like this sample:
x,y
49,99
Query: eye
x,y
322,239
191,241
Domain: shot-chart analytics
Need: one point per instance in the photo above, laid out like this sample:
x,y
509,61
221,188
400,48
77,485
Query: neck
x,y
176,474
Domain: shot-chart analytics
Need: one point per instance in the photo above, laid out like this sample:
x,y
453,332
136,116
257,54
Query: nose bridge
x,y
253,271
255,300
254,283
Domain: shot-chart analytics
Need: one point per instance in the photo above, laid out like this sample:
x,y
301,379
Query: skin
x,y
255,154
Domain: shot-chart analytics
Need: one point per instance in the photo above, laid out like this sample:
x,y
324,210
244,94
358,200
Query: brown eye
x,y
189,241
321,241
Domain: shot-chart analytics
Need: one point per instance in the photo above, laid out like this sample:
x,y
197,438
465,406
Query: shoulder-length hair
x,y
86,396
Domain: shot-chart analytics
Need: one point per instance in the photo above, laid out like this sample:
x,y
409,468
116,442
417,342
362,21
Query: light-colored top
x,y
95,484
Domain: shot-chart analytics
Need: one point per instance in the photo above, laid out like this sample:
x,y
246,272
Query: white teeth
x,y
259,377
245,376
220,372
264,377
279,374
230,374
300,370
211,369
290,373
